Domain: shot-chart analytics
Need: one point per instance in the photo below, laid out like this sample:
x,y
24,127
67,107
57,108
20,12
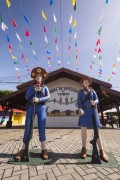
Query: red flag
x,y
22,56
98,42
27,33
10,48
14,23
56,40
99,50
69,48
45,29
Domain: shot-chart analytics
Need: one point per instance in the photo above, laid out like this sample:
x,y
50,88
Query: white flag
x,y
57,48
3,26
94,56
18,37
17,69
46,39
75,35
102,16
33,52
55,20
71,19
118,58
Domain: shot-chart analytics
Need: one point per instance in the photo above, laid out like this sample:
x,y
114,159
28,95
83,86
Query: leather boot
x,y
44,154
83,153
19,155
103,155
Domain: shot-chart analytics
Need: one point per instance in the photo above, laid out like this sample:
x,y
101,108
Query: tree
x,y
5,92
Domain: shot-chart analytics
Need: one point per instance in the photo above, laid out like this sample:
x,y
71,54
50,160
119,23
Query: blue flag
x,y
51,2
25,18
8,40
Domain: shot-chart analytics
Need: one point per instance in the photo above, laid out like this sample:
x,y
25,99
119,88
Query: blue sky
x,y
87,16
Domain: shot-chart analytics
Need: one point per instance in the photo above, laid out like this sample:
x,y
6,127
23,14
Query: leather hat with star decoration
x,y
86,78
39,70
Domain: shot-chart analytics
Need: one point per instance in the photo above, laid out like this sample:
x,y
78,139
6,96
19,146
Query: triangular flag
x,y
75,35
70,31
16,62
48,52
17,69
55,30
3,26
25,18
102,16
22,56
8,39
14,57
10,48
30,43
99,31
73,2
56,40
94,56
51,2
46,39
43,15
100,57
8,3
118,58
27,33
74,24
75,44
33,52
21,47
98,42
18,37
14,23
56,47
55,20
74,7
25,60
71,19
106,1
1,18
99,50
44,29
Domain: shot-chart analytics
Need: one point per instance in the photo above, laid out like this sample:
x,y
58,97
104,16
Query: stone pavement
x,y
63,142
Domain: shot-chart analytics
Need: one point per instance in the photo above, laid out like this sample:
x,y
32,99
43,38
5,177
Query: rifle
x,y
95,155
26,156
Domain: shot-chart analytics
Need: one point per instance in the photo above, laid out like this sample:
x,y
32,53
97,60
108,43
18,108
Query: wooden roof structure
x,y
108,97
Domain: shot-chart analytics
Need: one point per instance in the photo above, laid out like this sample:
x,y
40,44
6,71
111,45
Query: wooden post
x,y
118,113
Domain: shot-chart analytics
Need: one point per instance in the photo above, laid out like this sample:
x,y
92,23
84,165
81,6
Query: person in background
x,y
85,116
36,97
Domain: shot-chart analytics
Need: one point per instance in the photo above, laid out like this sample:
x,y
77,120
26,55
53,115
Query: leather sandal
x,y
83,153
44,154
19,155
103,155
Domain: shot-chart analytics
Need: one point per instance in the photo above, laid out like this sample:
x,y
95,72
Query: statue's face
x,y
85,83
38,78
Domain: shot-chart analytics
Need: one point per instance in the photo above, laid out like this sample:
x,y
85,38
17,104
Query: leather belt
x,y
39,103
87,107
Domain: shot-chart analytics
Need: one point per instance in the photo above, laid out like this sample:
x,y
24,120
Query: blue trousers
x,y
40,110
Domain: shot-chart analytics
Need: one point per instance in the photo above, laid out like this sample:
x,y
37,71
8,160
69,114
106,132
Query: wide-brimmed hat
x,y
39,70
86,78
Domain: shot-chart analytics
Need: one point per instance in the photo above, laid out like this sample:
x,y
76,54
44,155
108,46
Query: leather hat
x,y
39,70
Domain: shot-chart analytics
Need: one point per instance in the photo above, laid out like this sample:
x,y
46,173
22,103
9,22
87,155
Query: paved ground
x,y
63,142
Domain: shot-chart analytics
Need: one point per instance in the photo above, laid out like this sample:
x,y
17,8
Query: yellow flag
x,y
14,57
43,15
8,3
75,23
48,62
73,2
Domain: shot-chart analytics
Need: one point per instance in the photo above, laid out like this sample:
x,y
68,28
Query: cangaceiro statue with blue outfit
x,y
85,115
36,97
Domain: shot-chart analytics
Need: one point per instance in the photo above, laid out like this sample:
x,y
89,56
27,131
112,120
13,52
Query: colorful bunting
x,y
43,15
3,26
25,18
27,33
14,23
8,3
51,2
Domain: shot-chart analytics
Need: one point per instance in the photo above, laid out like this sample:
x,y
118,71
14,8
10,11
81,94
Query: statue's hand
x,y
81,112
35,99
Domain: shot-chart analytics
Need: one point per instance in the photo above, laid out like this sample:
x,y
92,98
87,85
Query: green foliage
x,y
5,92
